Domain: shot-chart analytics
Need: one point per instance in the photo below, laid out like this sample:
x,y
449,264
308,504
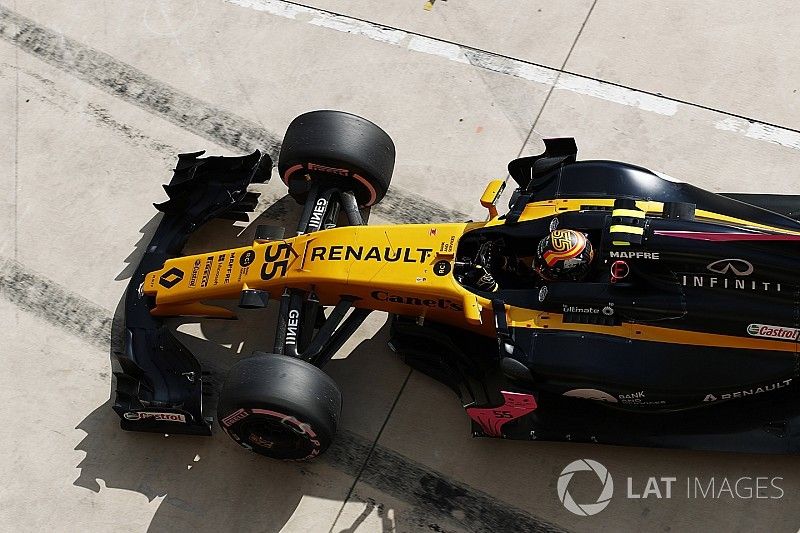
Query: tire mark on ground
x,y
37,87
220,126
46,299
431,493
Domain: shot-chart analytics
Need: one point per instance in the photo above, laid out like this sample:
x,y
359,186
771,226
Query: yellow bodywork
x,y
388,268
402,269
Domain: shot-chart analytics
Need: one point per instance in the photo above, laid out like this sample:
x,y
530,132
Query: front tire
x,y
342,149
280,407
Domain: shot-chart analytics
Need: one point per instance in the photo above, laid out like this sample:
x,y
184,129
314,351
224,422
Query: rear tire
x,y
279,406
344,150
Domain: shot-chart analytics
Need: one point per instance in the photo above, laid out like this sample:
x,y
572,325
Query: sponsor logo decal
x,y
591,394
234,417
291,326
733,272
247,258
195,271
207,271
448,246
639,398
170,278
329,170
703,281
316,215
229,270
148,415
584,310
372,253
619,270
585,509
218,270
773,332
543,293
748,392
655,256
441,268
738,267
441,303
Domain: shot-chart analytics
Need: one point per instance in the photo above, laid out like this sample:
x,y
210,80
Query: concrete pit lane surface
x,y
98,99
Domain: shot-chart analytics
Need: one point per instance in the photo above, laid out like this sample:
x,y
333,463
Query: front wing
x,y
159,381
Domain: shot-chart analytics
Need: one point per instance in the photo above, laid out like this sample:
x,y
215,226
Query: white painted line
x,y
514,67
616,94
465,55
760,131
357,27
434,47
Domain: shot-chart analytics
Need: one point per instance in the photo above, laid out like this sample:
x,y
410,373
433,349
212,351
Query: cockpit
x,y
517,260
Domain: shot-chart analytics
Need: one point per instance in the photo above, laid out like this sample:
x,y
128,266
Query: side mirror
x,y
490,196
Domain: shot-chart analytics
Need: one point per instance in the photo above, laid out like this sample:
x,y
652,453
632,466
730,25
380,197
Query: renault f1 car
x,y
684,332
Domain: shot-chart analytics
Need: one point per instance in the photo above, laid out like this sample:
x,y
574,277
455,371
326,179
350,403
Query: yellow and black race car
x,y
611,304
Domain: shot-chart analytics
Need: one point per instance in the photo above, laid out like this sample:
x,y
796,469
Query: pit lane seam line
x,y
357,477
552,88
192,114
520,68
385,470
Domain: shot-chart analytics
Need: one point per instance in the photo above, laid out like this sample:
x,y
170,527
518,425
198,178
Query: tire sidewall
x,y
284,391
341,148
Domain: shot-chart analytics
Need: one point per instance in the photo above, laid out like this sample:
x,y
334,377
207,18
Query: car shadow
x,y
210,484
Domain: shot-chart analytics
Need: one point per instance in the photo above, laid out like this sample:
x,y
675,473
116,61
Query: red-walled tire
x,y
279,406
342,149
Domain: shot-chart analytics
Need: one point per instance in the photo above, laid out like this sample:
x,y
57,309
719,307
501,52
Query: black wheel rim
x,y
276,438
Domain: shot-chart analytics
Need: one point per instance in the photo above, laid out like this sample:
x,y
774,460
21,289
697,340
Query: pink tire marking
x,y
288,419
373,195
289,172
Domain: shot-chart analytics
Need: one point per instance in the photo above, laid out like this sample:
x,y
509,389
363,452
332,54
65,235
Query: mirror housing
x,y
490,196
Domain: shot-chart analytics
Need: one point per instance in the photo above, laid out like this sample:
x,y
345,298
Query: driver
x,y
564,255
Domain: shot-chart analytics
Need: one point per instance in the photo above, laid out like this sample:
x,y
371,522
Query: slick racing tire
x,y
279,406
344,150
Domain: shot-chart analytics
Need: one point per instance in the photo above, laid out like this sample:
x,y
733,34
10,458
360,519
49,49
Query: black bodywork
x,y
159,381
665,385
668,393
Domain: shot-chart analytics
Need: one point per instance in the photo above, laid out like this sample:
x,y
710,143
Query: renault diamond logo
x,y
171,277
739,267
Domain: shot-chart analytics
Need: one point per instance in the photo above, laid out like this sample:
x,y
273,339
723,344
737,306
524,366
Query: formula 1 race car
x,y
680,331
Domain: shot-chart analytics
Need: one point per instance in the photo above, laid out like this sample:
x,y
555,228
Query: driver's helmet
x,y
564,255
